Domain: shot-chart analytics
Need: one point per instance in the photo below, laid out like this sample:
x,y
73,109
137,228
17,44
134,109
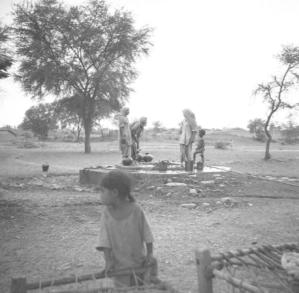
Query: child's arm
x,y
147,238
149,248
108,259
149,253
104,244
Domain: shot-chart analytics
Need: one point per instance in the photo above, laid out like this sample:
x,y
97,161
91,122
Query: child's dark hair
x,y
202,132
119,180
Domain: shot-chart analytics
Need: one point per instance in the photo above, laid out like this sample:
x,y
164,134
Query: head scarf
x,y
190,117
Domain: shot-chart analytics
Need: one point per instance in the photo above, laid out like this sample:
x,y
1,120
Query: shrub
x,y
27,134
260,135
26,144
290,134
222,145
68,137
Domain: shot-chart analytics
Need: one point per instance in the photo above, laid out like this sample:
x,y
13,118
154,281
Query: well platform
x,y
144,172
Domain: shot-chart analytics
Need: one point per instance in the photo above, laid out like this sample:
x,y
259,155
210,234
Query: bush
x,y
27,134
25,144
260,135
290,134
222,145
68,137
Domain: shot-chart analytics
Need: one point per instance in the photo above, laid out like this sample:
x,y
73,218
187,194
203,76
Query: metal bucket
x,y
199,166
189,166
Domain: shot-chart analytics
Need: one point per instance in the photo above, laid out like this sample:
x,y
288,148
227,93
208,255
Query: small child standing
x,y
125,235
200,147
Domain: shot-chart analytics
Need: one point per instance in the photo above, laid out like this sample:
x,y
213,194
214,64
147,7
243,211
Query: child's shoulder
x,y
136,207
132,208
137,210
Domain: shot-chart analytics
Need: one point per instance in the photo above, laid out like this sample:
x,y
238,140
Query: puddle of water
x,y
213,169
171,172
147,169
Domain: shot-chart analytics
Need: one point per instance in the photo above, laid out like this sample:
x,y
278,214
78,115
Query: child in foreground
x,y
125,235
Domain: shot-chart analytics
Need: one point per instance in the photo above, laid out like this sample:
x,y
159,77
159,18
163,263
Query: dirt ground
x,y
49,225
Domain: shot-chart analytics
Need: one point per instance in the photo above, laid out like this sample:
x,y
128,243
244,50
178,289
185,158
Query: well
x,y
146,171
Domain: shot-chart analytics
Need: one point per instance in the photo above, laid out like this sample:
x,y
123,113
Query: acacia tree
x,y
5,59
82,50
274,92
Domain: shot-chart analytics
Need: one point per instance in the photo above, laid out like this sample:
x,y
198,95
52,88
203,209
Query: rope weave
x,y
256,270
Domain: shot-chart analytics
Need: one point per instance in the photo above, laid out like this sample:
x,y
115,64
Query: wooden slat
x,y
204,273
88,277
18,285
238,283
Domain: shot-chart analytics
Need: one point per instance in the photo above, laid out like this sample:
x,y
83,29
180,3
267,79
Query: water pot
x,y
148,157
189,166
45,167
127,161
199,166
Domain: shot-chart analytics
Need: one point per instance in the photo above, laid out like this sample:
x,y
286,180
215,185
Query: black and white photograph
x,y
149,146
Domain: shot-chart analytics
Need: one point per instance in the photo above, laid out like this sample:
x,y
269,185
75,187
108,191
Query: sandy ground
x,y
48,233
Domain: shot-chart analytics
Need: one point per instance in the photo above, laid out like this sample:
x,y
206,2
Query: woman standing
x,y
188,132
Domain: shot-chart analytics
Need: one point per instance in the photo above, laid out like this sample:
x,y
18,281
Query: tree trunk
x,y
269,139
79,127
87,128
78,133
87,121
267,152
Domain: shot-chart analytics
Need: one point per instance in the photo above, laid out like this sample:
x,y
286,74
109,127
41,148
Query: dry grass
x,y
245,155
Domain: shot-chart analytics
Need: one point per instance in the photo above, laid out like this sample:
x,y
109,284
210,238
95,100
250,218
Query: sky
x,y
208,56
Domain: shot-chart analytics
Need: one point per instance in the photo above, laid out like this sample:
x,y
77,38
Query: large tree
x,y
82,50
275,91
5,58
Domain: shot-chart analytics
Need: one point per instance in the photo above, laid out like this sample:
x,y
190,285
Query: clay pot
x,y
45,167
199,166
163,165
189,166
148,157
127,161
139,158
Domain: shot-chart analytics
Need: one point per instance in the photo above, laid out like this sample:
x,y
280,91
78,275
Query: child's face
x,y
108,196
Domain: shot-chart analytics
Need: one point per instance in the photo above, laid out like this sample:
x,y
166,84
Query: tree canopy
x,y
85,51
5,59
40,119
